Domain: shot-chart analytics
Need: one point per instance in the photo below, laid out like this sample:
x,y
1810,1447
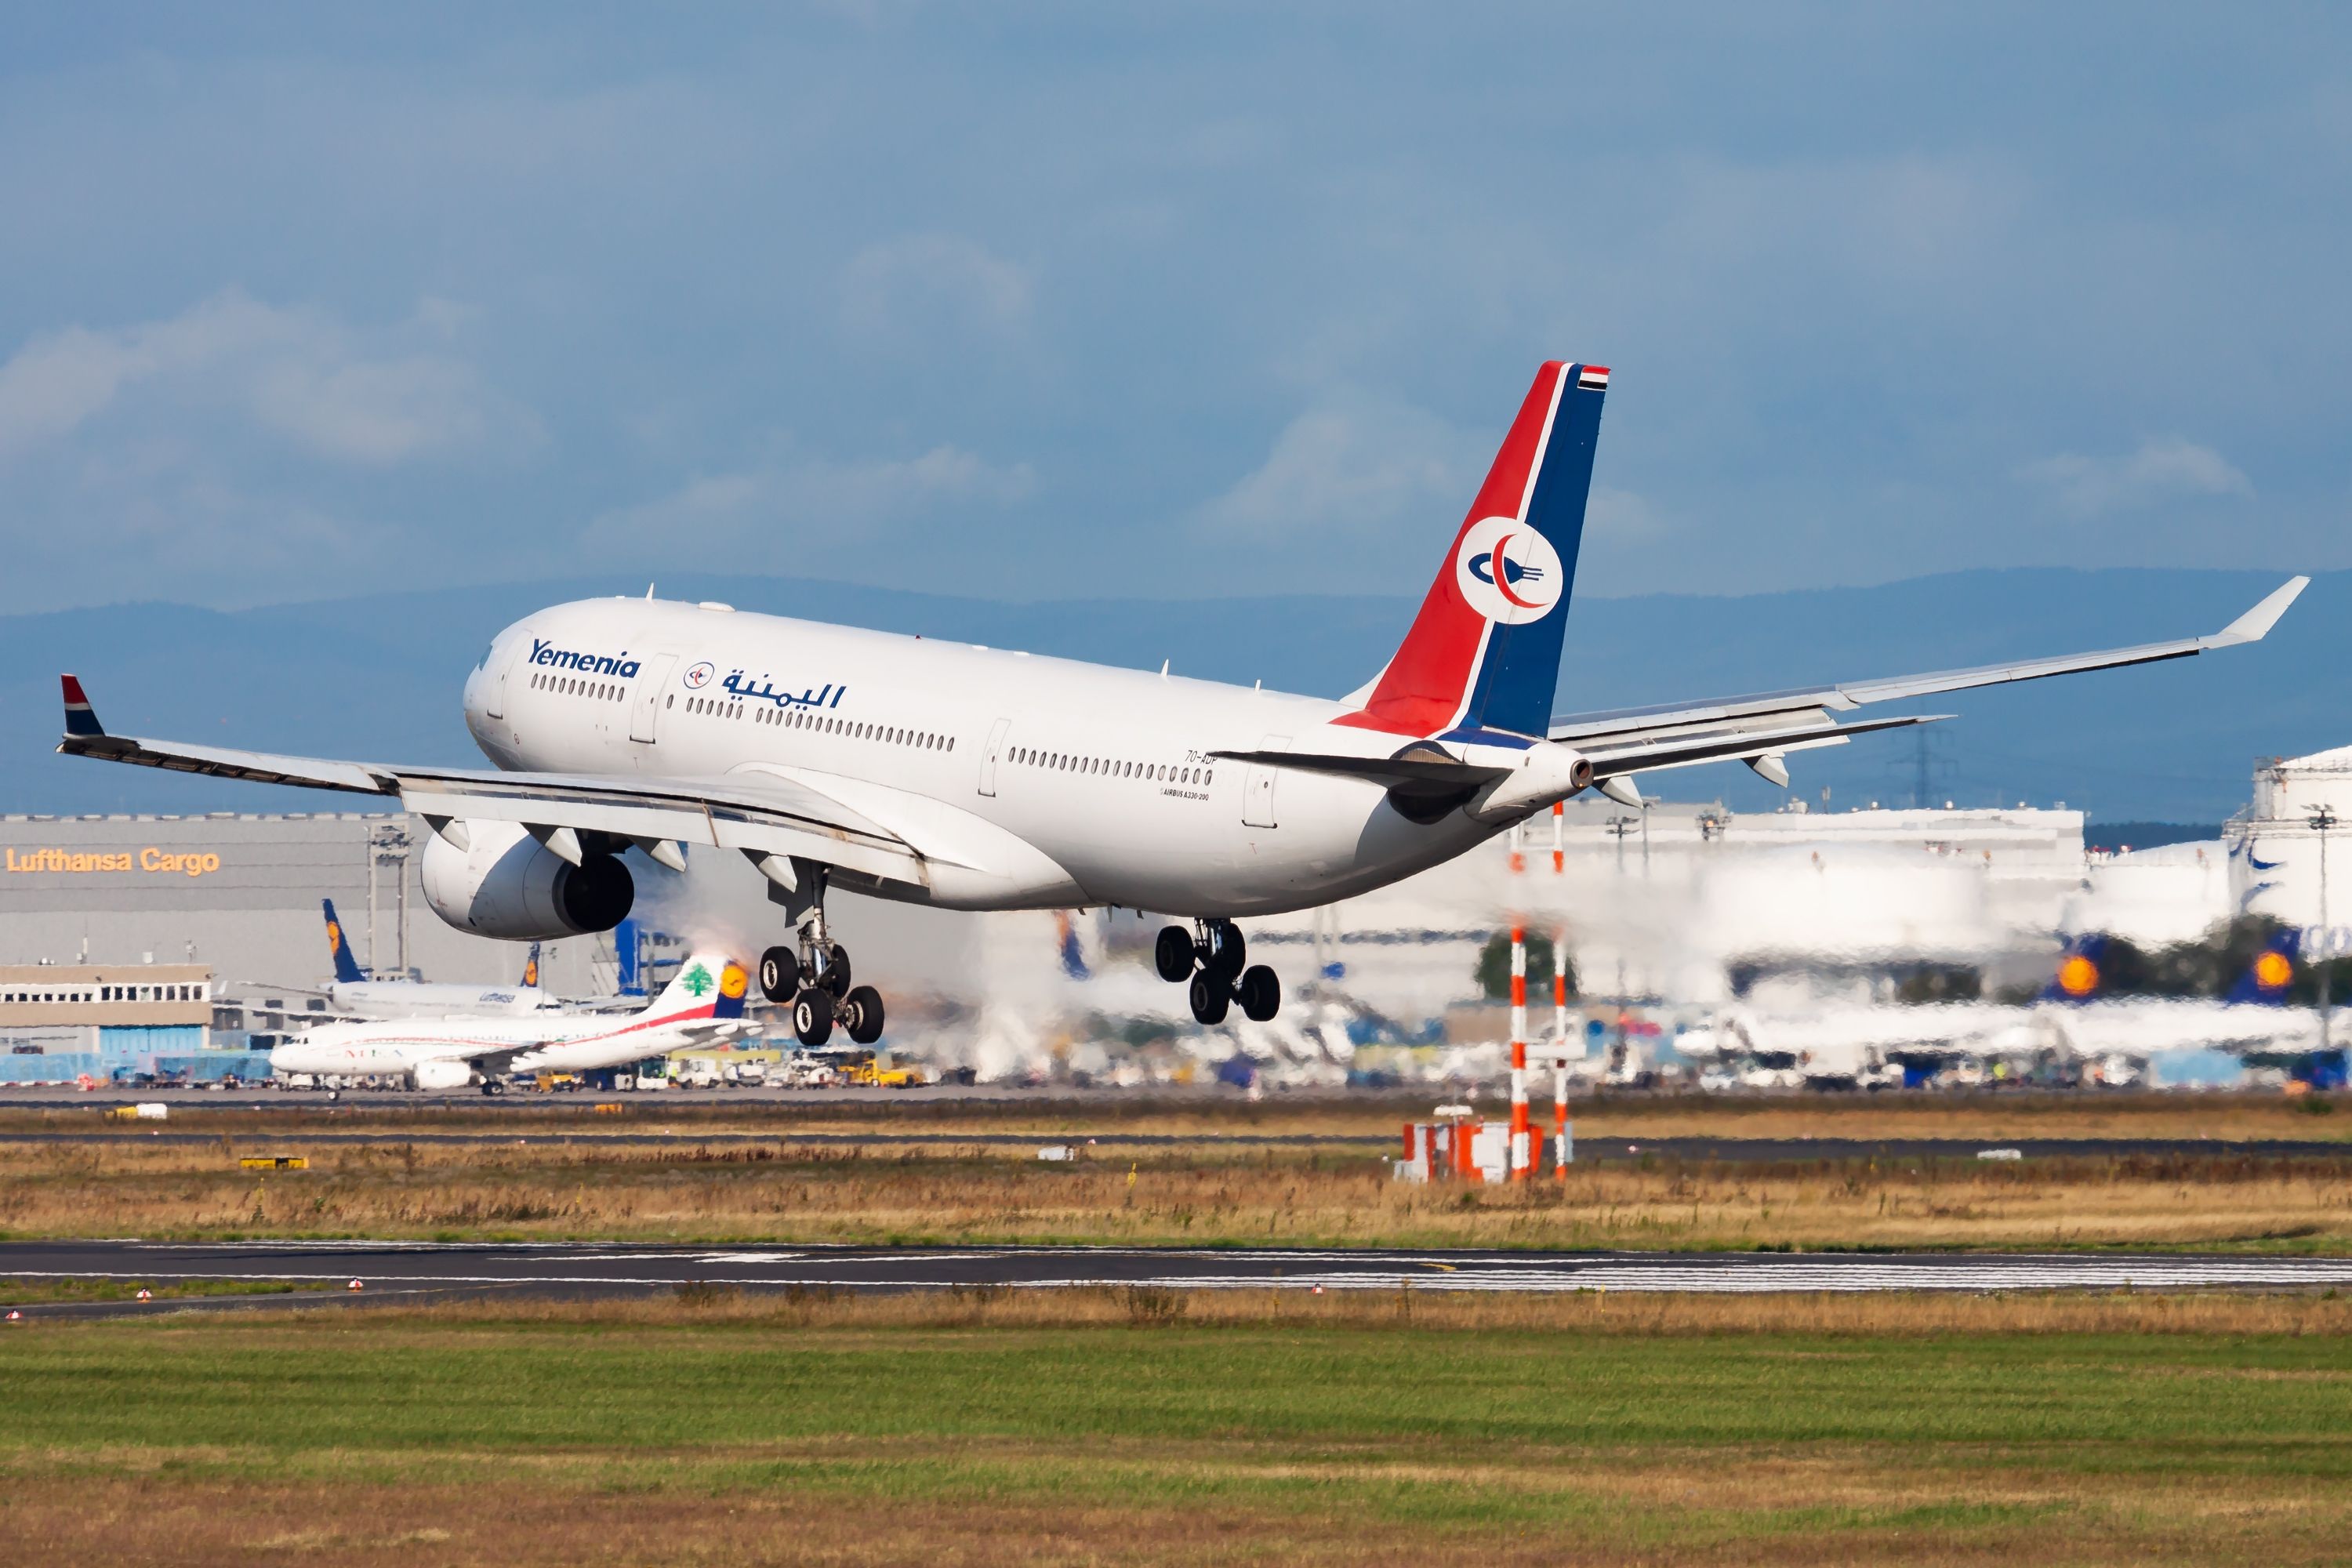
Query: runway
x,y
322,1271
298,1139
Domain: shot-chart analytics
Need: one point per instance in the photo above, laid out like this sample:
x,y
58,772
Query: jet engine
x,y
506,884
1546,773
442,1074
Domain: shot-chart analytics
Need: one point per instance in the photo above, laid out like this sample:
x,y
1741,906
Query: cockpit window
x,y
484,662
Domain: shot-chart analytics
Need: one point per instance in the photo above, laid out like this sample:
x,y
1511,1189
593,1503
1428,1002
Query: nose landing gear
x,y
1215,963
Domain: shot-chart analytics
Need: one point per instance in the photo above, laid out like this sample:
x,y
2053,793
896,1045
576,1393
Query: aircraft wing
x,y
760,814
1762,726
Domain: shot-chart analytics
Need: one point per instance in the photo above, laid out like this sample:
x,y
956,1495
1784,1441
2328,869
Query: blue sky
x,y
1035,301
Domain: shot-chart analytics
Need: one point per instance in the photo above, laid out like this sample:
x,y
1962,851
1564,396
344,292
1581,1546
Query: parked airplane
x,y
351,991
974,778
2254,1021
703,1005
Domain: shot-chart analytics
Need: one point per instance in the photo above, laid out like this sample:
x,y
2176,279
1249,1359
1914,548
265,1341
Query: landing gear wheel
x,y
812,1016
1172,954
1226,954
1260,994
780,974
835,977
1210,998
491,1086
861,1014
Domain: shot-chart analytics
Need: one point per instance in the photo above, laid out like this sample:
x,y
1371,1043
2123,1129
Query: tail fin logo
x,y
1508,572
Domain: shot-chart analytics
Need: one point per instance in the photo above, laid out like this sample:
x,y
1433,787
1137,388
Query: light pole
x,y
2322,822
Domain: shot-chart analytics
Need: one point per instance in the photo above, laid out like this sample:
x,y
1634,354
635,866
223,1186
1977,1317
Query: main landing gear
x,y
1211,958
813,977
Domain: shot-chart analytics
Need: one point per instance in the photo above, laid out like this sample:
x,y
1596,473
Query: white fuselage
x,y
570,1042
433,999
1103,774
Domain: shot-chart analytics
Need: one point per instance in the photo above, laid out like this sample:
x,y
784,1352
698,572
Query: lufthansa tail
x,y
347,969
1482,656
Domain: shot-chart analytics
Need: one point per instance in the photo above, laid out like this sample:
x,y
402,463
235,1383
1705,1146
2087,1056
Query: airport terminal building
x,y
238,896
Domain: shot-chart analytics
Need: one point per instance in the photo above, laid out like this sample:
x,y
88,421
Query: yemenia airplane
x,y
703,1006
976,778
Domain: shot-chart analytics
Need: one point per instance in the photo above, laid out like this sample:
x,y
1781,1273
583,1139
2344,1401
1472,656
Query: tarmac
x,y
299,1134
322,1273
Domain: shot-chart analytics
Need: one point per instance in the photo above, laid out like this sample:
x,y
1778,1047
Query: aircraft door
x,y
1258,786
495,705
989,753
646,709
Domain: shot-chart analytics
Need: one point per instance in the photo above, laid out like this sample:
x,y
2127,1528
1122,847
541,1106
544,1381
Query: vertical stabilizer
x,y
339,948
1483,652
707,986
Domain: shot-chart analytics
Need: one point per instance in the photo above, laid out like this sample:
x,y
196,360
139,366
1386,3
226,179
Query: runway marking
x,y
1734,1273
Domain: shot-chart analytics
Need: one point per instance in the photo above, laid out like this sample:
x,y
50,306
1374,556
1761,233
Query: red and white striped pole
x,y
1522,1156
1559,838
1517,839
1559,1052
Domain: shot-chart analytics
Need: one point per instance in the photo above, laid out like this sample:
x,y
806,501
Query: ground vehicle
x,y
808,1070
863,1070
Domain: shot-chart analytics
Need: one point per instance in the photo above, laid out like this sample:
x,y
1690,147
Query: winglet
x,y
2256,623
79,720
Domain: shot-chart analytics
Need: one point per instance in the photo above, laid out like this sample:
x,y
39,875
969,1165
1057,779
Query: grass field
x,y
537,1189
1143,1428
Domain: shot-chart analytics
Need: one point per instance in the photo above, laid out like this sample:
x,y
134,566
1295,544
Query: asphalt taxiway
x,y
320,1272
297,1137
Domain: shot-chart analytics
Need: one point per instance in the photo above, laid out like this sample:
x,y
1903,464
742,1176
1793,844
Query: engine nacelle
x,y
506,884
1548,772
442,1074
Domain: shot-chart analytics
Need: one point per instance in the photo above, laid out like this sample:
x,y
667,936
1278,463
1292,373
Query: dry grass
x,y
2009,1114
540,1189
1924,1314
1591,1509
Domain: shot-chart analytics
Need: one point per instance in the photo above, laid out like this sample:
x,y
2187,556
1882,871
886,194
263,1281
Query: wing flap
x,y
774,814
221,762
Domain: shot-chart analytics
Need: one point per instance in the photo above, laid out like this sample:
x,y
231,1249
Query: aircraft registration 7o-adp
x,y
978,778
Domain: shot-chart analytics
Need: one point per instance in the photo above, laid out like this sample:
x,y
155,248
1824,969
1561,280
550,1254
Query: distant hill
x,y
378,677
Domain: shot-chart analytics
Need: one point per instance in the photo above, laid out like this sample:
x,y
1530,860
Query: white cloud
x,y
296,373
1622,516
1348,465
2161,469
828,499
918,286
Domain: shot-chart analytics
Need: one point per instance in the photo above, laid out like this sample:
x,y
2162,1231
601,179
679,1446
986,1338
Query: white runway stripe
x,y
1754,1278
